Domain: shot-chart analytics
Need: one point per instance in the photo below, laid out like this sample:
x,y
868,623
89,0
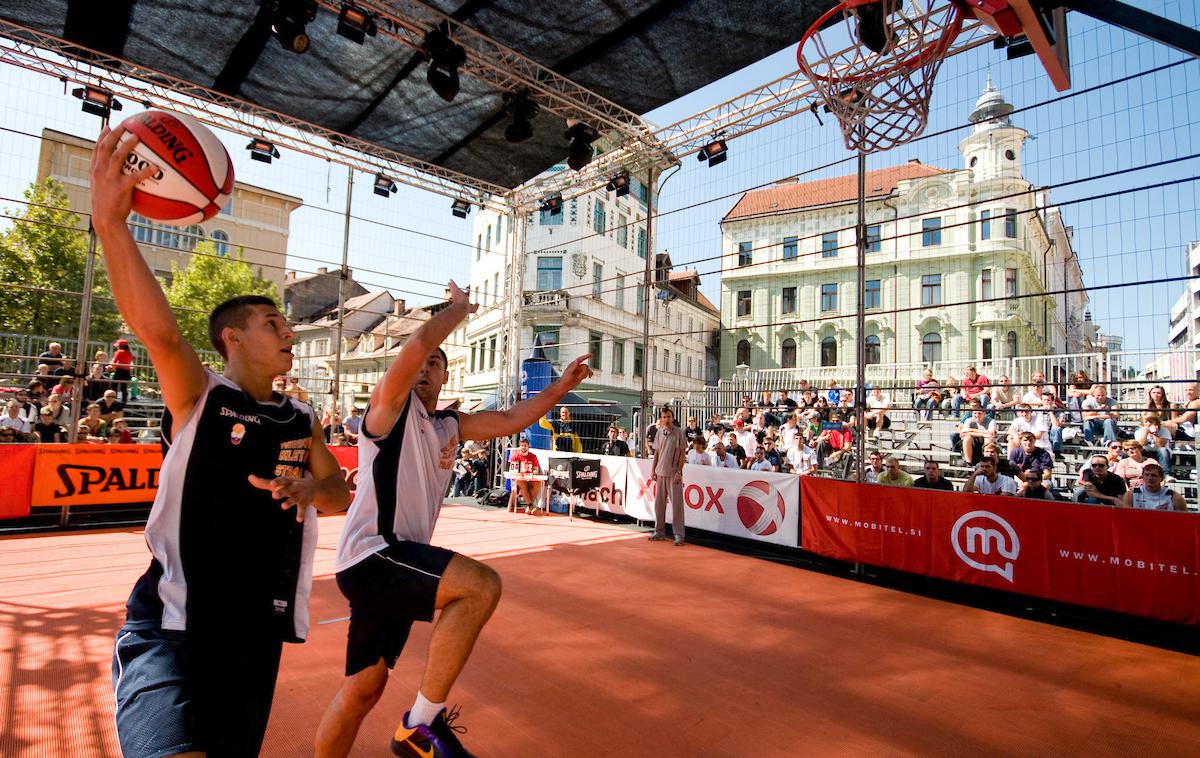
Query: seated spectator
x,y
802,459
64,389
693,430
47,429
746,438
1003,398
83,435
876,416
759,461
66,369
1030,461
791,435
874,467
1035,389
1098,485
1027,422
60,413
1154,439
1035,490
772,454
121,430
43,372
1152,494
12,418
1130,467
973,433
834,442
53,357
974,390
110,407
1047,415
1100,414
928,395
950,394
784,405
933,479
1078,391
735,449
8,435
894,475
29,409
353,425
717,426
1003,465
1184,419
722,458
525,462
96,426
37,393
808,399
697,456
822,409
987,481
1158,404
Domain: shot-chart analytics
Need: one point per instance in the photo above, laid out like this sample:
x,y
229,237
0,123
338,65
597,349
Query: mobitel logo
x,y
761,508
981,545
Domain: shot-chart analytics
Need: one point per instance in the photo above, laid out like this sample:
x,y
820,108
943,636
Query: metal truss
x,y
50,55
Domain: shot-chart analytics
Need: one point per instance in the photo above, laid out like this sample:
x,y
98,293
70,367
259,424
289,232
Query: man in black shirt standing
x,y
784,405
615,446
933,479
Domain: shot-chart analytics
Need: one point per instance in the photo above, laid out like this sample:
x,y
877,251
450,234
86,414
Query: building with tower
x,y
964,265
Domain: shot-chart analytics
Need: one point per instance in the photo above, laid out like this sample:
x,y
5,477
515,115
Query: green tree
x,y
45,250
207,282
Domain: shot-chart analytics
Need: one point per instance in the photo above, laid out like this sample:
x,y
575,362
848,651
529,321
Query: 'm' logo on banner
x,y
761,508
984,547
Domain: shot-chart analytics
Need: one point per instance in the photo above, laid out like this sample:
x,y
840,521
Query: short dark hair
x,y
233,312
445,360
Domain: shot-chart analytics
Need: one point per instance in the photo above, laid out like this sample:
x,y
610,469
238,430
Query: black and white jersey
x,y
226,555
402,480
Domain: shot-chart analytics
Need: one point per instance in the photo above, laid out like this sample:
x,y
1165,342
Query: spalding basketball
x,y
760,508
195,176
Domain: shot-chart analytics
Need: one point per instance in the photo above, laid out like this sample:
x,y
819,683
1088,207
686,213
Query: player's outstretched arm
x,y
138,294
485,426
326,490
391,393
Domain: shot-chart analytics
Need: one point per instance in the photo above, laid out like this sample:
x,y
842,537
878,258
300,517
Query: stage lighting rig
x,y
289,22
96,101
445,57
384,186
356,24
580,137
460,208
261,150
523,110
714,152
619,184
552,205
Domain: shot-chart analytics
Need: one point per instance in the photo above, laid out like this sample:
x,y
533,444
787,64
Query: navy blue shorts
x,y
175,694
388,591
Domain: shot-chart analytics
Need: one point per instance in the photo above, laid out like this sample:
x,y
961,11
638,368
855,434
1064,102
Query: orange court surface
x,y
607,645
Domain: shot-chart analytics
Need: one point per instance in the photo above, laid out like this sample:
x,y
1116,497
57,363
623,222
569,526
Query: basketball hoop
x,y
875,70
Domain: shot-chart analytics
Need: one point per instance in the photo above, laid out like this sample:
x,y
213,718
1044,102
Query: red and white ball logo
x,y
760,507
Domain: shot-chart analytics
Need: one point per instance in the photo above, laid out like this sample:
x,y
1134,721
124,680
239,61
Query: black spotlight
x,y
552,205
523,110
619,184
444,59
460,208
96,101
261,150
291,18
356,24
580,137
384,186
714,152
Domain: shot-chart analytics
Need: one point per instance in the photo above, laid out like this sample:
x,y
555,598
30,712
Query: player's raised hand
x,y
458,297
112,189
577,371
297,493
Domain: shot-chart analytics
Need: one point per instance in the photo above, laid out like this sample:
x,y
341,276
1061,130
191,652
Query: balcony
x,y
547,301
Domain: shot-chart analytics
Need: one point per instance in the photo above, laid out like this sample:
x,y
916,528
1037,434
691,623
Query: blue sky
x,y
411,244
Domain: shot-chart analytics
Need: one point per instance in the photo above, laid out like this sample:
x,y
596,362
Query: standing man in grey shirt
x,y
670,452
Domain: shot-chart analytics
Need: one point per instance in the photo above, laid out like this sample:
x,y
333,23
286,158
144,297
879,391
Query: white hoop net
x,y
880,99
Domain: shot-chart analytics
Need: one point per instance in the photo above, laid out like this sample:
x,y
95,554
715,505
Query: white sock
x,y
423,711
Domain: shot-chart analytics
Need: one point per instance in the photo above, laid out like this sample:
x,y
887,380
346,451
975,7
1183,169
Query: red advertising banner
x,y
95,474
1139,562
16,471
347,458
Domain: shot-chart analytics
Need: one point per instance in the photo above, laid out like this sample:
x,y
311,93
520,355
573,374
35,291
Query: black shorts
x,y
389,590
176,694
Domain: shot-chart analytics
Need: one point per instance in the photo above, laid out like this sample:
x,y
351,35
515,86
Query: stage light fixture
x,y
619,184
714,152
460,208
552,205
384,186
290,21
356,24
523,110
96,101
444,59
261,150
580,137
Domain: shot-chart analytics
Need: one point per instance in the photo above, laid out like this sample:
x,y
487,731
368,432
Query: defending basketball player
x,y
386,567
195,664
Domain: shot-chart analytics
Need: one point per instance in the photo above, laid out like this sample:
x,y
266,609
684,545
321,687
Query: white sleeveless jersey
x,y
1144,499
402,480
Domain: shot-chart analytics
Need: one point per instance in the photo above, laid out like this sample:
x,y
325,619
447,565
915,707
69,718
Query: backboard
x,y
1044,28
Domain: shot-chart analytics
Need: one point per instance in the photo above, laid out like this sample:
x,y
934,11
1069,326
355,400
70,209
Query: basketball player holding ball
x,y
195,664
386,567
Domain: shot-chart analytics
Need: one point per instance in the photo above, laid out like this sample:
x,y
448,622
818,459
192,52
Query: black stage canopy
x,y
638,55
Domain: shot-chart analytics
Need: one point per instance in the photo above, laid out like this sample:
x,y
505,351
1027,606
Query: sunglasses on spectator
x,y
1114,446
1099,465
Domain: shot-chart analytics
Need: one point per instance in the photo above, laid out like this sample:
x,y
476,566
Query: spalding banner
x,y
754,505
610,495
95,474
1139,562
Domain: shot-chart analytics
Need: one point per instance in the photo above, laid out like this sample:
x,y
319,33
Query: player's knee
x,y
489,585
361,693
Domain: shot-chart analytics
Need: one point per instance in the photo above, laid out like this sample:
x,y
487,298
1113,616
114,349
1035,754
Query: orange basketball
x,y
195,175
